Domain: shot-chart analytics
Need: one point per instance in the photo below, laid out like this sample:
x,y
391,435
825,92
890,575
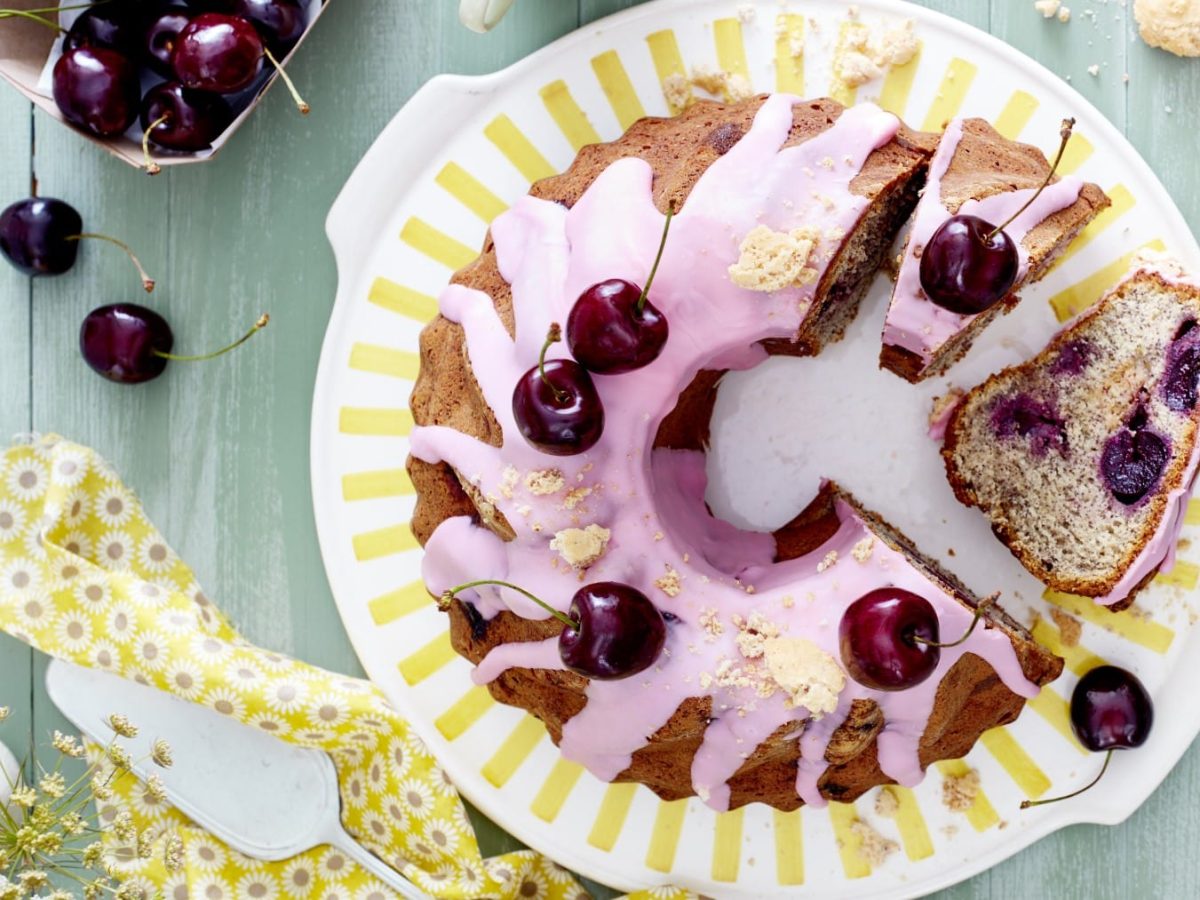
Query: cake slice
x,y
975,171
1084,457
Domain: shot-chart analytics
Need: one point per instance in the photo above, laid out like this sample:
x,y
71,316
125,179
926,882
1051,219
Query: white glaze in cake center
x,y
550,255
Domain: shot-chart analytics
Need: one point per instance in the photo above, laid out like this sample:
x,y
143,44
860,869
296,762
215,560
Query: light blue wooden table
x,y
219,453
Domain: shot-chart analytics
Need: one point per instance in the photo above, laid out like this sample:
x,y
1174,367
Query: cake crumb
x,y
580,547
658,535
863,549
886,803
709,79
771,260
706,680
677,90
873,846
828,562
753,635
809,675
942,409
545,481
746,13
1047,7
959,791
1171,25
897,46
1068,626
1093,70
509,481
855,68
575,496
787,601
1064,14
738,87
671,583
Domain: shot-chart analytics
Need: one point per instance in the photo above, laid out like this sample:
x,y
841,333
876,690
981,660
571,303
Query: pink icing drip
x,y
613,231
913,322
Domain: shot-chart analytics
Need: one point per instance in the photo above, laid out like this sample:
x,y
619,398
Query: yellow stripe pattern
x,y
1079,296
514,751
1078,150
375,421
1016,762
384,361
898,82
981,814
424,662
664,840
1152,635
375,485
387,608
789,65
951,93
1016,114
1182,575
1053,708
1192,516
727,845
570,119
402,300
789,847
618,88
437,245
1122,202
614,808
465,712
384,542
914,834
668,61
517,149
470,191
842,816
731,49
1079,659
548,802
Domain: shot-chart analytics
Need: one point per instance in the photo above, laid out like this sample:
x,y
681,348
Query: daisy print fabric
x,y
86,577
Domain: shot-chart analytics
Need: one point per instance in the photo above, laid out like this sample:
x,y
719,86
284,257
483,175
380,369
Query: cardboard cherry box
x,y
26,47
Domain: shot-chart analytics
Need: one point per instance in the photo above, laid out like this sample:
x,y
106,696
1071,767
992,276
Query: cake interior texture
x,y
1081,455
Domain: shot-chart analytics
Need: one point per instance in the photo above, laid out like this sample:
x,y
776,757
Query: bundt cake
x,y
977,172
1084,456
742,677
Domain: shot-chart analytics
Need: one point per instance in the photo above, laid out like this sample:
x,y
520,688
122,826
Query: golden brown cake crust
x,y
970,700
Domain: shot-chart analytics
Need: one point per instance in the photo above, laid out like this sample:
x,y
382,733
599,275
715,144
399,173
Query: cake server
x,y
264,798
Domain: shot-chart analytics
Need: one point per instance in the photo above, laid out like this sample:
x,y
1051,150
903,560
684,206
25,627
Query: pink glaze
x,y
914,322
550,255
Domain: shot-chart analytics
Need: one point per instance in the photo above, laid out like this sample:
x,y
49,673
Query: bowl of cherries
x,y
156,82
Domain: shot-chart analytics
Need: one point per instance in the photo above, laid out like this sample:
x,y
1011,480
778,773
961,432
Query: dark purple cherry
x,y
130,344
219,53
41,235
612,630
556,405
114,25
1037,421
1183,372
177,118
1110,710
1132,462
613,327
280,23
160,36
97,89
890,638
969,265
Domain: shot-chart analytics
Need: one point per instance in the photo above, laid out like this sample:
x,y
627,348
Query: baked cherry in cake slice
x,y
962,264
1084,457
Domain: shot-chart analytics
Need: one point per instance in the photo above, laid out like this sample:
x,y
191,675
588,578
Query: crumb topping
x,y
575,496
959,791
863,549
753,634
677,90
773,260
809,675
886,803
873,846
580,547
828,562
544,481
671,583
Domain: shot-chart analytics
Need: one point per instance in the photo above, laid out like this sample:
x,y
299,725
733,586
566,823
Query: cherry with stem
x,y
556,406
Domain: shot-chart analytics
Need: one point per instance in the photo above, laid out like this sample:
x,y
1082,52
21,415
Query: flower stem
x,y
1065,135
641,304
449,595
254,329
1025,804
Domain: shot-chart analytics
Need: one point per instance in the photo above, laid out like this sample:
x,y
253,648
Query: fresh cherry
x,y
217,52
177,118
115,25
556,405
1110,710
969,265
41,235
890,641
613,327
97,89
1183,369
1132,462
612,630
130,344
280,23
159,39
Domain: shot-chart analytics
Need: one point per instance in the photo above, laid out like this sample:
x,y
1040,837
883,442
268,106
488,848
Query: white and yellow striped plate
x,y
417,208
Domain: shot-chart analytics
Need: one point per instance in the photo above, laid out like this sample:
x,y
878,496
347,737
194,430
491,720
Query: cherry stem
x,y
257,327
553,336
1065,134
32,16
641,304
147,282
152,168
287,81
1026,804
979,610
449,595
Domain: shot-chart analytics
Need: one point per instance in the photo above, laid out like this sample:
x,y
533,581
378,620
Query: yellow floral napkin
x,y
86,577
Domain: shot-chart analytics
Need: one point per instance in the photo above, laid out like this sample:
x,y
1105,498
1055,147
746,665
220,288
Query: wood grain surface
x,y
219,452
